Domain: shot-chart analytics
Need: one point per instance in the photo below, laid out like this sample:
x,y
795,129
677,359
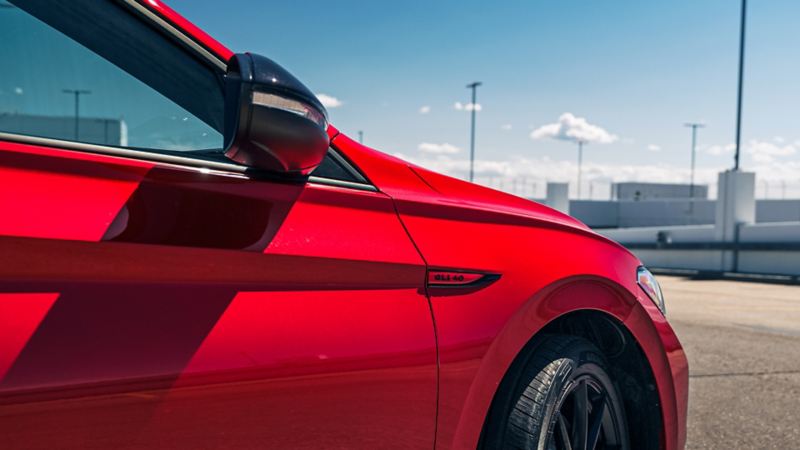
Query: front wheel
x,y
562,399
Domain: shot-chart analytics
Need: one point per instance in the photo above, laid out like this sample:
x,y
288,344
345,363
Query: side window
x,y
334,167
103,77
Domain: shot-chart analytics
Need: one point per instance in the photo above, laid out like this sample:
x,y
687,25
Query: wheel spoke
x,y
598,413
580,419
563,431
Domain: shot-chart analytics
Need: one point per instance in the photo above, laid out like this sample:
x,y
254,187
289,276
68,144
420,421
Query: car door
x,y
154,295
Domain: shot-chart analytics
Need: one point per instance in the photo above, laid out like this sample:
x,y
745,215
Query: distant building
x,y
651,191
92,130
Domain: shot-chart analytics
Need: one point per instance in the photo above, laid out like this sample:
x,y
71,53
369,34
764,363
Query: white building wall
x,y
624,214
733,243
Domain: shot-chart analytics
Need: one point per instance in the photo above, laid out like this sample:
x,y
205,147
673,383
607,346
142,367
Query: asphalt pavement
x,y
743,344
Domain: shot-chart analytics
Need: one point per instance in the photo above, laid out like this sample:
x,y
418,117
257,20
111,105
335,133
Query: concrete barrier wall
x,y
596,214
777,210
750,259
706,260
649,235
733,240
666,212
773,262
648,213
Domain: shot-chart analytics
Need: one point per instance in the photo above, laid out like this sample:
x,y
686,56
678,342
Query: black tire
x,y
561,398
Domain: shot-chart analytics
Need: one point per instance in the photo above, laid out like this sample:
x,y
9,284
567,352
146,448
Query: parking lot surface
x,y
743,344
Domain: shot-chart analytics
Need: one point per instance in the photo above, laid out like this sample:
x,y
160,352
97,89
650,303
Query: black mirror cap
x,y
272,121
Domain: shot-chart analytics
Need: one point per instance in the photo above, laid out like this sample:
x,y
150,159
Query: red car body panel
x,y
173,296
152,304
550,265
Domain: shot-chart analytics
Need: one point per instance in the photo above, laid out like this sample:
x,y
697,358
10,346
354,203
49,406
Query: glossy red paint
x,y
41,185
20,315
551,265
147,304
204,288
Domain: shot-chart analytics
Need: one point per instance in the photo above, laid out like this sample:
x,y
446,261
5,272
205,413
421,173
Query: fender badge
x,y
459,280
443,278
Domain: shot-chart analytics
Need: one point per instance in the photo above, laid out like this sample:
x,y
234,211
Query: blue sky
x,y
637,69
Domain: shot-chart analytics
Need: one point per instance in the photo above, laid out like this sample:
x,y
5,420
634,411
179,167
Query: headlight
x,y
650,286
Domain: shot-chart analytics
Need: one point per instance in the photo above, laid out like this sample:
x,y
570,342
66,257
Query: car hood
x,y
460,192
407,182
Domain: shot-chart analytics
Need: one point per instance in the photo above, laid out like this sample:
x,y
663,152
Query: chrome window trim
x,y
347,166
178,34
194,163
341,183
122,152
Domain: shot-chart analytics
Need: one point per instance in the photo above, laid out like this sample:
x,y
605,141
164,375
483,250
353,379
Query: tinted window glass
x,y
143,92
330,168
333,167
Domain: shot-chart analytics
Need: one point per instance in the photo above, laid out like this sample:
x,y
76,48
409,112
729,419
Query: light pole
x,y
580,165
474,87
360,137
77,93
741,82
694,126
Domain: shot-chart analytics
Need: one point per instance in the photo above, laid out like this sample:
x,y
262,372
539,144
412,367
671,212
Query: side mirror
x,y
272,121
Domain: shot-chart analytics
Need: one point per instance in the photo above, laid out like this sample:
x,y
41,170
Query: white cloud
x,y
654,148
545,168
467,106
438,149
766,152
759,151
717,150
425,109
571,128
505,127
501,173
329,101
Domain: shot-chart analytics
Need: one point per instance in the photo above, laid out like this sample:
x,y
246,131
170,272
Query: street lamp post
x,y
741,82
474,87
77,93
694,126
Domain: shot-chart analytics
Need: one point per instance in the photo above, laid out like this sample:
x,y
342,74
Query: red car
x,y
191,256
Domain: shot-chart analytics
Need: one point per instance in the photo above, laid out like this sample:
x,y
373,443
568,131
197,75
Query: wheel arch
x,y
565,303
